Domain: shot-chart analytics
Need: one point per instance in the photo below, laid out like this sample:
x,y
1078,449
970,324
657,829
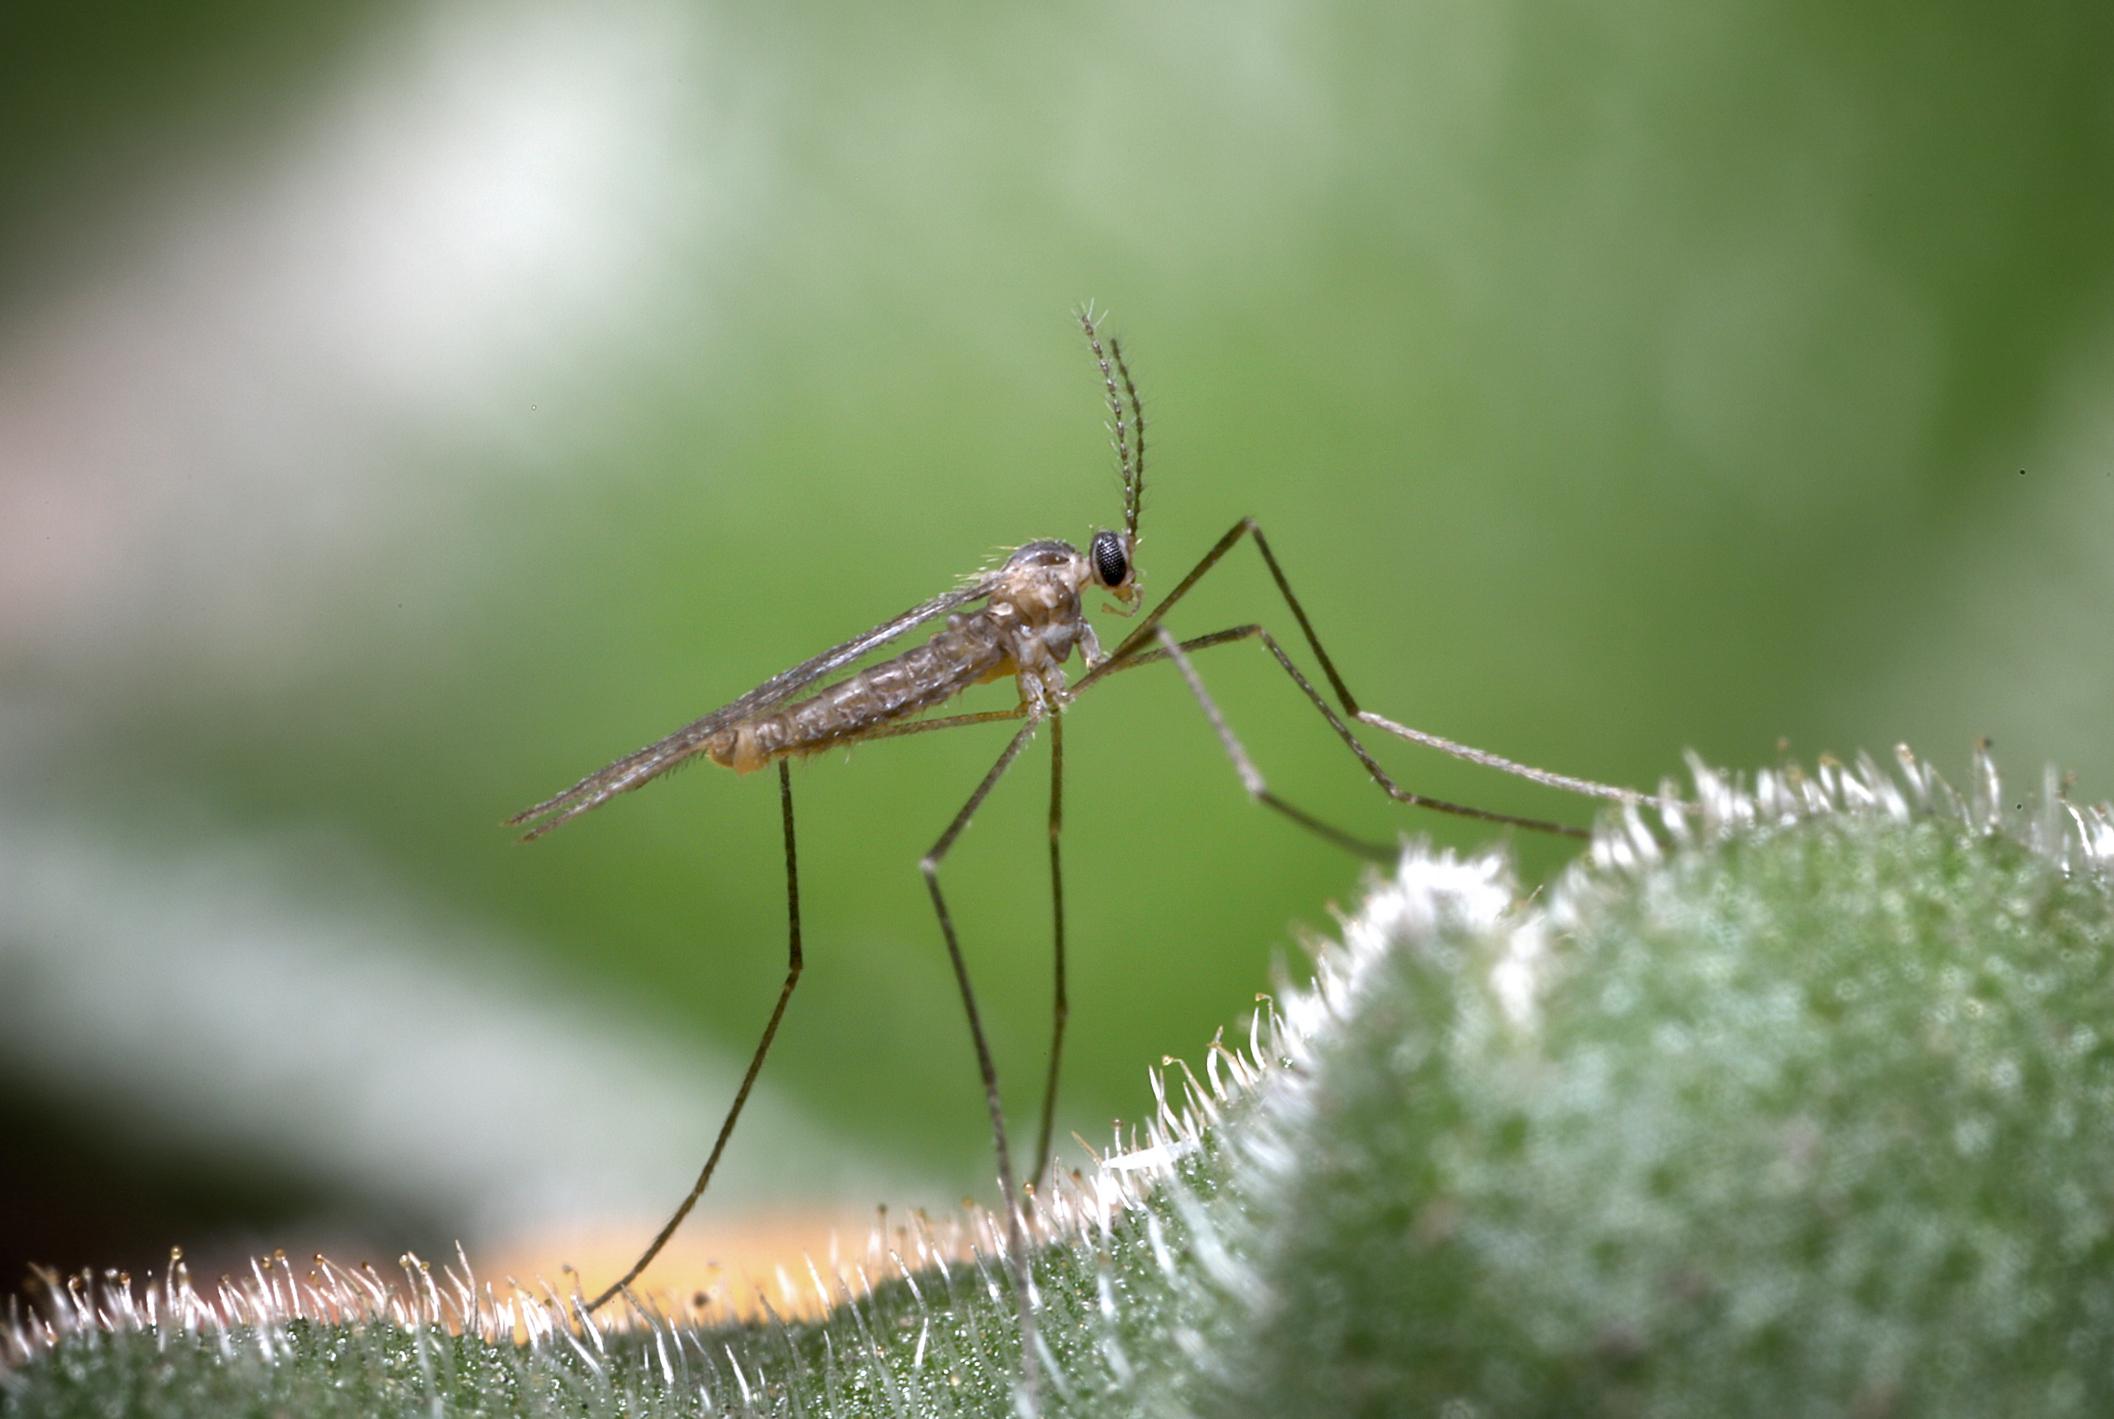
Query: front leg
x,y
1090,647
1138,647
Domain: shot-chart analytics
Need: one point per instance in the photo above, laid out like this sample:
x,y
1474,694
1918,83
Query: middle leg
x,y
1060,1010
1009,1199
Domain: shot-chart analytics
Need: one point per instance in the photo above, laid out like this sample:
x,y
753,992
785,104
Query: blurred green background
x,y
403,412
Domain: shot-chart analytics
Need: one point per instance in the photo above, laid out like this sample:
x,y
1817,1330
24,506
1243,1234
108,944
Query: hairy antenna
x,y
1119,422
1134,485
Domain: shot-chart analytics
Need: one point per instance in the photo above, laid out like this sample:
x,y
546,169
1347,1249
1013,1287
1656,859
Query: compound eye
x,y
1111,563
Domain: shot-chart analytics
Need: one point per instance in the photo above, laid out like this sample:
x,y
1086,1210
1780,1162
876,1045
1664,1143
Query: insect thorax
x,y
1028,626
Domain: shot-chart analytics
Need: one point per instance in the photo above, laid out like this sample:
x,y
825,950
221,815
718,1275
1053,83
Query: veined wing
x,y
643,765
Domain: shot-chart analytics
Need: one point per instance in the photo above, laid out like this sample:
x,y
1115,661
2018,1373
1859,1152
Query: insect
x,y
1023,619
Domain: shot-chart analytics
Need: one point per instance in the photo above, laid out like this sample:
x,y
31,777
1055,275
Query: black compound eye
x,y
1111,565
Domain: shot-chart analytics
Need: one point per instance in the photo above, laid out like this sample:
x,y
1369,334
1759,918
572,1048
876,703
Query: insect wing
x,y
643,765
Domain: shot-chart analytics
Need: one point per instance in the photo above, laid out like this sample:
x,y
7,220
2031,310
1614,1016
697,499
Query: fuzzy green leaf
x,y
1801,1102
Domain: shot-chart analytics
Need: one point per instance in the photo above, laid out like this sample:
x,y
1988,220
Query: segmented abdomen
x,y
971,651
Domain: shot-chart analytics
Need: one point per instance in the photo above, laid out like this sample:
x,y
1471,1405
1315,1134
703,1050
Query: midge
x,y
1023,620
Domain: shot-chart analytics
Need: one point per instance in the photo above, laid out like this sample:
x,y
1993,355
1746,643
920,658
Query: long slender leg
x,y
1060,1010
1489,760
1415,736
1192,645
1016,1232
1146,630
1252,779
763,1046
1234,634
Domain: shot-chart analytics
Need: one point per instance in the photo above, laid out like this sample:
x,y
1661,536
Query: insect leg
x,y
1137,641
1252,779
1016,1232
1587,787
763,1046
1179,652
1059,1009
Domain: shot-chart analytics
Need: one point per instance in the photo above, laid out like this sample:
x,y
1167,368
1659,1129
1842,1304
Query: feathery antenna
x,y
1120,418
1134,485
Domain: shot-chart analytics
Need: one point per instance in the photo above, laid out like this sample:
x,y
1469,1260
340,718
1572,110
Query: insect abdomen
x,y
963,655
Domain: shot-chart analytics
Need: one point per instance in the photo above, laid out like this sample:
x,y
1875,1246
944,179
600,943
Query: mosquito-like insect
x,y
1026,620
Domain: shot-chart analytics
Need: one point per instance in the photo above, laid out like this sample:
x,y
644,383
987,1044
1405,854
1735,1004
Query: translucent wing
x,y
643,765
